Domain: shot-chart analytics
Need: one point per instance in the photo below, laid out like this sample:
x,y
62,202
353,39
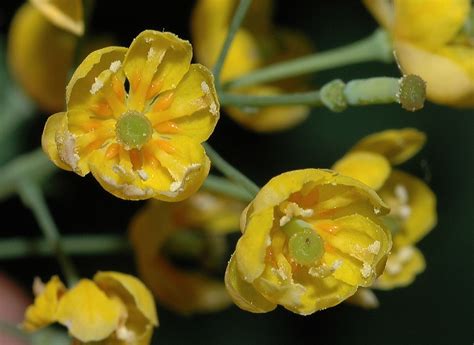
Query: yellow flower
x,y
412,203
136,119
195,227
113,308
66,14
40,55
256,44
310,239
432,39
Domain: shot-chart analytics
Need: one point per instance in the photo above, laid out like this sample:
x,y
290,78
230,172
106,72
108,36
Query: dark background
x,y
435,309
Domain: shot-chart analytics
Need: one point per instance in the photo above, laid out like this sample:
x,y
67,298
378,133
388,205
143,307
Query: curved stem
x,y
233,28
18,247
223,186
32,197
375,47
230,172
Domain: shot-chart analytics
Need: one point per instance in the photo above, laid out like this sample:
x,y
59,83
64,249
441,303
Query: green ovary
x,y
133,130
304,245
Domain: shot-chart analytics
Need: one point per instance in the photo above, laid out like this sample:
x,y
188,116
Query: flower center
x,y
133,130
305,246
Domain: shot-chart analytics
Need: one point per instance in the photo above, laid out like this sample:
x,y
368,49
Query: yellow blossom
x,y
432,39
136,119
195,227
412,203
257,43
40,55
66,14
310,239
113,308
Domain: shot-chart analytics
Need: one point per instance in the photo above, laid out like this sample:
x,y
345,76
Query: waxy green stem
x,y
230,172
376,47
233,28
14,248
223,186
32,197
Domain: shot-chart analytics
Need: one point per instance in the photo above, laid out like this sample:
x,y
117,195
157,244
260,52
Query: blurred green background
x,y
435,309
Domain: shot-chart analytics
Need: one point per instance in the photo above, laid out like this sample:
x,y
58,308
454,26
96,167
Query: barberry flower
x,y
433,39
68,15
113,308
310,239
136,119
412,203
193,229
256,44
40,55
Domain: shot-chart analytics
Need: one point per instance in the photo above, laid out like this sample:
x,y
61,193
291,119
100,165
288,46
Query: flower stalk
x,y
376,47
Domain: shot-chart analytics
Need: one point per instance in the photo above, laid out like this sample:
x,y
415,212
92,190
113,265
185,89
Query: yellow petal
x,y
397,145
448,73
88,313
403,265
130,290
209,31
364,298
252,246
156,62
91,81
362,247
55,127
279,188
306,294
420,217
243,293
40,56
67,14
43,312
194,108
371,168
430,22
382,10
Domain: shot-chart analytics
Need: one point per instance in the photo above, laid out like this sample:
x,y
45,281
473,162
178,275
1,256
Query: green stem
x,y
14,248
32,197
33,165
230,172
376,47
302,98
224,186
233,28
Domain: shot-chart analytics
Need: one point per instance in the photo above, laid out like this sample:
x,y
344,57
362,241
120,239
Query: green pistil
x,y
412,92
133,130
304,245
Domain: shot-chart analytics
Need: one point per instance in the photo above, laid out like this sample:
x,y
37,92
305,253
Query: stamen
x,y
168,127
163,102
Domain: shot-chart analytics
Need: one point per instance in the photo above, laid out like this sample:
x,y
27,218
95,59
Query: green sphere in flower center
x,y
133,130
305,246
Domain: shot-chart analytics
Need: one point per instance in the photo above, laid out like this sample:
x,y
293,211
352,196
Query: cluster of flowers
x,y
136,119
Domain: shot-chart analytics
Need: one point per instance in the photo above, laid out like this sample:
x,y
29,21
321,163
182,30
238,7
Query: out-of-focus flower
x,y
412,203
195,228
310,239
136,119
113,308
66,14
256,44
40,55
433,39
